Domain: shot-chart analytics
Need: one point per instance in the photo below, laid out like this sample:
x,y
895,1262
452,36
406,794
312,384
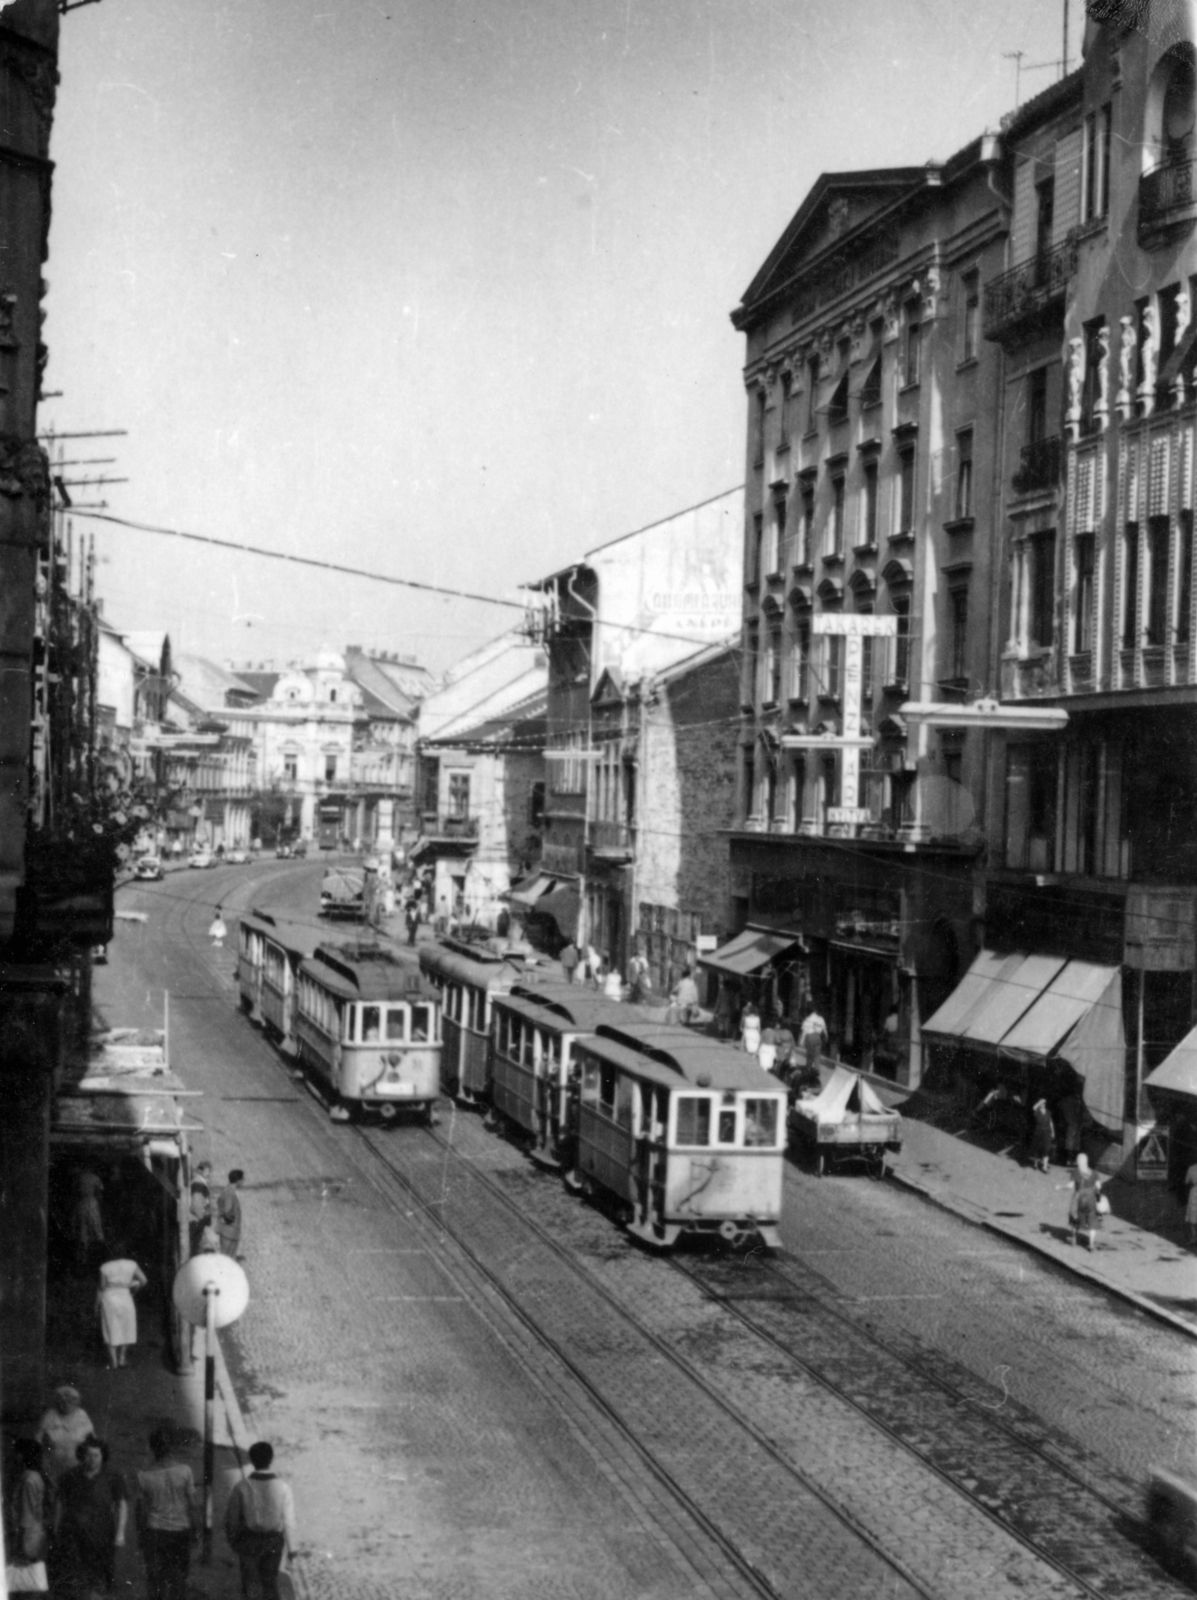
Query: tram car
x,y
367,1027
534,1031
270,950
468,977
686,1135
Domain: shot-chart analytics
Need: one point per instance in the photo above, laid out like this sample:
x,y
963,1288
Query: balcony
x,y
614,841
1167,196
437,825
1039,467
1026,293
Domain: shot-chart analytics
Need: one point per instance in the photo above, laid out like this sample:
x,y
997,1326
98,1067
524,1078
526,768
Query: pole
x,y
1064,73
210,1293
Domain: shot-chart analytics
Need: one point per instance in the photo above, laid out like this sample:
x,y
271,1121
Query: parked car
x,y
201,858
299,848
282,852
99,955
148,868
237,858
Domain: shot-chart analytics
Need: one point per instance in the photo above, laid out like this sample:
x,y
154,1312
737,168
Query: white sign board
x,y
849,625
849,814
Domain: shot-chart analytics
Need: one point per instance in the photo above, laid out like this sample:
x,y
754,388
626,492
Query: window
x,y
1041,553
802,662
958,635
869,526
290,769
748,778
812,395
868,676
838,409
370,1026
536,806
1031,786
773,666
752,656
783,411
970,286
835,523
1184,579
779,532
1130,587
1157,580
1094,332
758,440
833,664
771,789
459,794
756,556
1037,406
912,347
964,474
693,1120
1045,211
806,528
906,464
1083,558
799,782
330,769
902,639
1095,179
870,391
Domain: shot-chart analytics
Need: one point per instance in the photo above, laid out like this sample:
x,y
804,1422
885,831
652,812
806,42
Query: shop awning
x,y
529,891
1177,1072
748,952
1037,1008
562,903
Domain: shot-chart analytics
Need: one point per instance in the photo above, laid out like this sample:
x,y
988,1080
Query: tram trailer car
x,y
270,952
468,977
686,1134
534,1031
368,1028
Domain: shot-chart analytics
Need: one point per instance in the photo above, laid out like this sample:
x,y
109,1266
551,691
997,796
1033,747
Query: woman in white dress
x,y
119,1279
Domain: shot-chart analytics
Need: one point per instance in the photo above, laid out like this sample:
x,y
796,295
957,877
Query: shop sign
x,y
852,814
1151,1155
851,625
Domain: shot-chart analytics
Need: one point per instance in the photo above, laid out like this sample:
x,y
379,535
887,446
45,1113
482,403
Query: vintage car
x,y
149,869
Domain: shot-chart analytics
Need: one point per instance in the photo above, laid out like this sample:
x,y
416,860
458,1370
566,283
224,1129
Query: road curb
x,y
1077,1268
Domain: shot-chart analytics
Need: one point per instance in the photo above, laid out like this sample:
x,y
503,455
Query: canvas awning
x,y
529,892
748,952
1040,1008
1177,1072
562,903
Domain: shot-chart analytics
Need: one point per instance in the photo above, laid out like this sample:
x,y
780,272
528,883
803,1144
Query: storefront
x,y
762,967
1172,1093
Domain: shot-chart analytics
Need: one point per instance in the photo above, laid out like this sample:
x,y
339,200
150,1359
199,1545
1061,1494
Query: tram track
x,y
1025,1487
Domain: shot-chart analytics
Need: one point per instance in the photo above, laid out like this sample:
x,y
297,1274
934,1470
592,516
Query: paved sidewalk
x,y
1140,1253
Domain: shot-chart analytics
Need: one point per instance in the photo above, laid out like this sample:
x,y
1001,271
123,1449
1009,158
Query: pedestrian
x,y
29,1516
1191,1205
767,1052
217,931
593,964
87,1222
259,1523
200,1207
784,1039
412,919
120,1279
1043,1136
613,985
639,978
89,1527
569,959
812,1038
63,1428
1084,1210
167,1511
750,1029
685,997
228,1215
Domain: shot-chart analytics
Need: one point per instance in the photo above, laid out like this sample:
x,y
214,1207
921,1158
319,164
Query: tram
x,y
362,1020
534,1031
468,977
684,1134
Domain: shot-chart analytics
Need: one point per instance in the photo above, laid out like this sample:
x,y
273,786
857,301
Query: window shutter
x,y
1067,209
1186,470
1022,242
1084,495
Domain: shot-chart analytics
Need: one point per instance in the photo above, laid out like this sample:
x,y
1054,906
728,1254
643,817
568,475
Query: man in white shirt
x,y
259,1523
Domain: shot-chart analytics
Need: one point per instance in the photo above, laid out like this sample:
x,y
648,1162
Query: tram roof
x,y
482,971
663,1052
579,1009
366,972
294,937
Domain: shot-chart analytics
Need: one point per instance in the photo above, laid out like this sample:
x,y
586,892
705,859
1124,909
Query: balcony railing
x,y
449,825
1167,194
611,838
1028,290
1039,467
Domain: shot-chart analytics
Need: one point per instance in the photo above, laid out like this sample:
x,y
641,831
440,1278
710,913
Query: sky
x,y
442,290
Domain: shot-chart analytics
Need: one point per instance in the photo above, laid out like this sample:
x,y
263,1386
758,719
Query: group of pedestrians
x,y
215,1219
68,1510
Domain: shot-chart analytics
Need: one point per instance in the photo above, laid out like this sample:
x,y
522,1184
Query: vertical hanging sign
x,y
853,629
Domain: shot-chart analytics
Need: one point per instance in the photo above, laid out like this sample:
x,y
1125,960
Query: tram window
x,y
396,1024
760,1122
501,1033
607,1088
370,1027
528,1049
693,1119
625,1091
552,1056
590,1083
727,1126
421,1025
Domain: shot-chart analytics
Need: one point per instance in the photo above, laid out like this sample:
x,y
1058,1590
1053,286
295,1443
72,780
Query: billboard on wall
x,y
670,589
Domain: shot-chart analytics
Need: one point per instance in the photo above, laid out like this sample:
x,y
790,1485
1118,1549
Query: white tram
x,y
686,1134
269,954
534,1031
368,1027
468,978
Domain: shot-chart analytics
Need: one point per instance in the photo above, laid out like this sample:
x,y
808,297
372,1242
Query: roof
x,y
487,970
207,684
260,682
382,694
295,937
749,951
572,1006
676,1056
367,972
1042,105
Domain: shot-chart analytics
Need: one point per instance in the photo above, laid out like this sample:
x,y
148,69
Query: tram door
x,y
650,1151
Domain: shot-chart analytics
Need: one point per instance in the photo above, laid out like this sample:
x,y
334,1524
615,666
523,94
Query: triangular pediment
x,y
835,217
609,690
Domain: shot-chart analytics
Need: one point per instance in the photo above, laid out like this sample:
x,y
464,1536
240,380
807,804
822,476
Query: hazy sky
x,y
442,289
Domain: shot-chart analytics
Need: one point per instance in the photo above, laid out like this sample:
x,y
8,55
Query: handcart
x,y
845,1121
